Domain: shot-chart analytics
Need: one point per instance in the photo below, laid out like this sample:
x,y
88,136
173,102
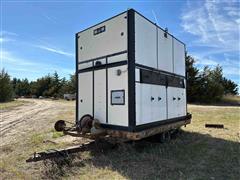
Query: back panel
x,y
118,96
85,94
103,39
100,95
101,54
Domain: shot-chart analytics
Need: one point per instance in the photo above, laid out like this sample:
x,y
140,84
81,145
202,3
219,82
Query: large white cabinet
x,y
131,73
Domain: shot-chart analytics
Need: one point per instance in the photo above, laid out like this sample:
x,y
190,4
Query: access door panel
x,y
103,39
181,102
172,93
165,51
150,103
160,108
145,42
100,95
85,99
143,103
179,57
155,103
118,96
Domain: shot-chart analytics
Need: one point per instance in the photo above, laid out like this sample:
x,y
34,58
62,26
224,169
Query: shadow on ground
x,y
189,156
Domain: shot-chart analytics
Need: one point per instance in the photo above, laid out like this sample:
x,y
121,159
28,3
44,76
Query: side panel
x,y
143,103
85,88
182,102
179,57
111,40
155,105
159,110
100,95
172,93
118,114
145,42
165,52
176,102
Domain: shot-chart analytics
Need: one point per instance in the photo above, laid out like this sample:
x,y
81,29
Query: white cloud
x,y
49,18
206,62
12,62
8,33
8,57
215,26
54,50
230,65
213,23
6,36
231,70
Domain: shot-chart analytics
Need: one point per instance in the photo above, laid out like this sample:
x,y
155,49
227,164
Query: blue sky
x,y
37,38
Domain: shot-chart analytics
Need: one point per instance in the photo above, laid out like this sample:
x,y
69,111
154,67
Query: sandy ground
x,y
16,123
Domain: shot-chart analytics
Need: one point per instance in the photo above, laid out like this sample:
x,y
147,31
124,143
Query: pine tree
x,y
6,90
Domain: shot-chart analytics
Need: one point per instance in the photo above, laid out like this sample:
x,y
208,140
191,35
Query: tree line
x,y
208,85
47,86
205,86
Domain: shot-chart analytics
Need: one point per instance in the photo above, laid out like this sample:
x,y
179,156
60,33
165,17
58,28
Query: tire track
x,y
28,118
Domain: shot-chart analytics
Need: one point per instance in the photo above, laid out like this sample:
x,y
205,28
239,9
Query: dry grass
x,y
12,104
197,153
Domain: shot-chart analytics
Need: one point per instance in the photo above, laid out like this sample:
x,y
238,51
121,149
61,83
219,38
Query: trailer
x,y
69,97
131,80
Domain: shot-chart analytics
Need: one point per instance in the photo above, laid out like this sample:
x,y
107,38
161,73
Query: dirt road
x,y
34,116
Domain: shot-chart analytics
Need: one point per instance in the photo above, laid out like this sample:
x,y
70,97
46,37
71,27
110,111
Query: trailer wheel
x,y
60,125
85,123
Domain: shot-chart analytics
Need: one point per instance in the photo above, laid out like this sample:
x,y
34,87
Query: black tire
x,y
79,123
60,125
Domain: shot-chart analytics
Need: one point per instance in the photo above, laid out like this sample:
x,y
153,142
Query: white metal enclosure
x,y
131,73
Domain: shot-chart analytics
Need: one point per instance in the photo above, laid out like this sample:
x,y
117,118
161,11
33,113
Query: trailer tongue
x,y
53,153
